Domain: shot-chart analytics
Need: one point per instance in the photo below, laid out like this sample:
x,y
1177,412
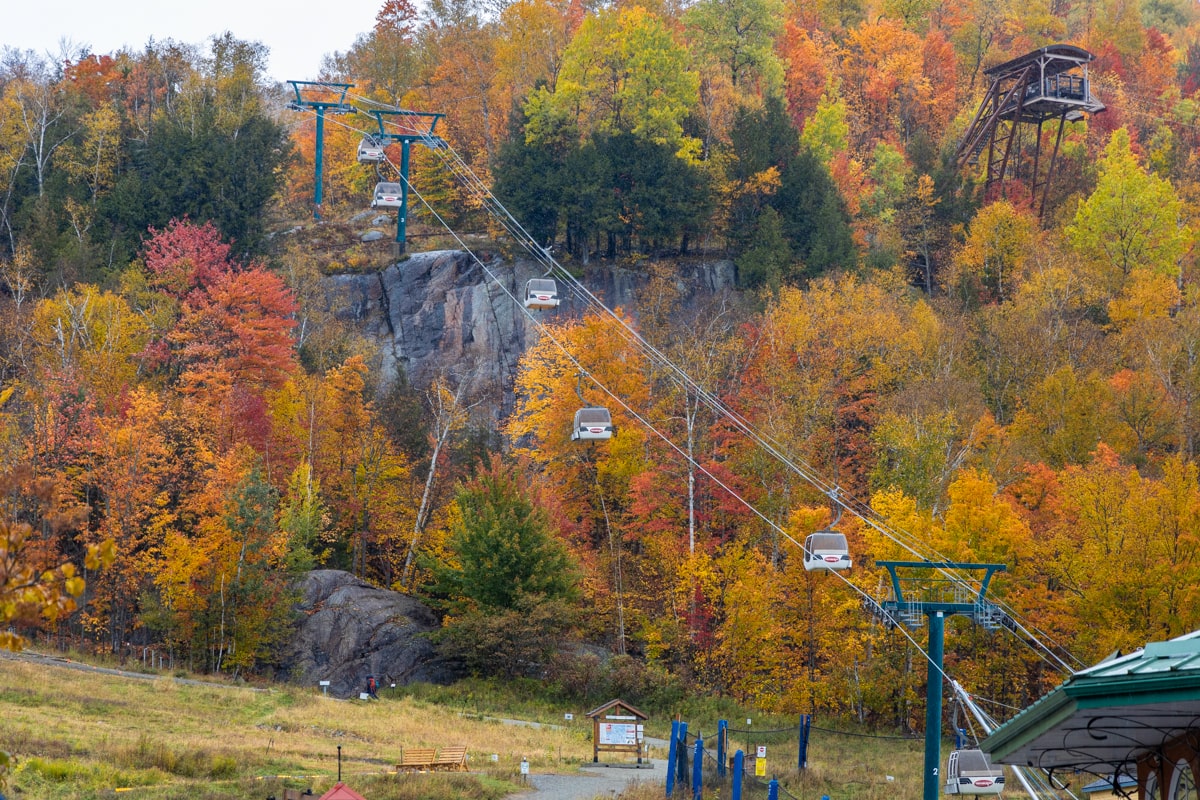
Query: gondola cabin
x,y
592,423
826,550
541,293
370,151
388,195
970,772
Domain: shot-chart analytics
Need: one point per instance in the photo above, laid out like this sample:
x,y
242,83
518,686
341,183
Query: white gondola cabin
x,y
826,550
970,772
388,195
592,423
541,293
370,150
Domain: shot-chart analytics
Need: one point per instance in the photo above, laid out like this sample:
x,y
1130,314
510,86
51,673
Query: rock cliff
x,y
445,310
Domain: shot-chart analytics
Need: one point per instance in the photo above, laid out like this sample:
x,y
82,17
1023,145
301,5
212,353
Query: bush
x,y
592,680
508,644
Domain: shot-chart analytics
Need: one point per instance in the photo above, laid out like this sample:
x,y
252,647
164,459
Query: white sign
x,y
618,733
614,716
524,767
761,751
323,683
568,717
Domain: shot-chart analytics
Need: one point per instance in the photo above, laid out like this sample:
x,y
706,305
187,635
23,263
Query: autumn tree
x,y
739,34
622,73
1133,220
996,255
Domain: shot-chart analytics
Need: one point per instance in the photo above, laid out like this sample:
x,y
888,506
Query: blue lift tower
x,y
406,127
937,598
324,98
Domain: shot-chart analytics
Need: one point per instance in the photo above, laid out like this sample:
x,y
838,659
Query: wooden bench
x,y
417,759
452,759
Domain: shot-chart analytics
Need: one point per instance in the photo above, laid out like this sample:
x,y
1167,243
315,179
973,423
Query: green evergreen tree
x,y
768,257
502,550
814,217
194,168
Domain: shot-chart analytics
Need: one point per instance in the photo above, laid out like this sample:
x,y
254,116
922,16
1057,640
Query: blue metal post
x,y
671,756
402,217
802,755
933,706
698,769
318,161
773,790
739,768
682,753
722,741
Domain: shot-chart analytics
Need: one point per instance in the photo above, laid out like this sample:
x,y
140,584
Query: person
x,y
371,686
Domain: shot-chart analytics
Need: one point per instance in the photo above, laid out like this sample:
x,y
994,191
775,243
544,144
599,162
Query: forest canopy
x,y
1004,382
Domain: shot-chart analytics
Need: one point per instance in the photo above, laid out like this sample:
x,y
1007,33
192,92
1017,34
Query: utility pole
x,y
938,599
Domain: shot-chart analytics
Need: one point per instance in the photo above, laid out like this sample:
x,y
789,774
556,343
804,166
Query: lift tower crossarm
x,y
990,570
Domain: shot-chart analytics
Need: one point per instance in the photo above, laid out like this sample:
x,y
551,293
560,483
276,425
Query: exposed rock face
x,y
351,630
442,310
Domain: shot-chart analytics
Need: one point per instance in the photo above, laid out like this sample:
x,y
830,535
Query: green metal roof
x,y
1106,716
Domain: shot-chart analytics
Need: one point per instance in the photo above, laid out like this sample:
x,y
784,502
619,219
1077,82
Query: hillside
x,y
803,290
84,733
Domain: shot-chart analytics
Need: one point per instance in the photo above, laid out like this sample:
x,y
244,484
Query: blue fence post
x,y
773,790
802,755
739,769
681,752
698,769
671,756
722,737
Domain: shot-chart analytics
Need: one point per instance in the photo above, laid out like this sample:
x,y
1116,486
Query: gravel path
x,y
591,782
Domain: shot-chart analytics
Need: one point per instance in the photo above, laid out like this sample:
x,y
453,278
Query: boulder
x,y
350,629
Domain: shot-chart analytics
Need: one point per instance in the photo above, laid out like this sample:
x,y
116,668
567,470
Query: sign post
x,y
617,727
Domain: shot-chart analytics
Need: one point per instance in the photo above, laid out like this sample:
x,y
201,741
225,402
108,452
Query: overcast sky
x,y
298,34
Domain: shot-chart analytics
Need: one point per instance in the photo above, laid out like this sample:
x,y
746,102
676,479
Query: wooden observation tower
x,y
1049,84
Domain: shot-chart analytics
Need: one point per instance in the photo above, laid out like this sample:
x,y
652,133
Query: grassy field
x,y
83,734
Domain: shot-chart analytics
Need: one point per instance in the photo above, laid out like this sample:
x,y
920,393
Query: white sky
x,y
298,33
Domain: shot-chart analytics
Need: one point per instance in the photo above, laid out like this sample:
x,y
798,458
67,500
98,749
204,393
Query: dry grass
x,y
83,734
